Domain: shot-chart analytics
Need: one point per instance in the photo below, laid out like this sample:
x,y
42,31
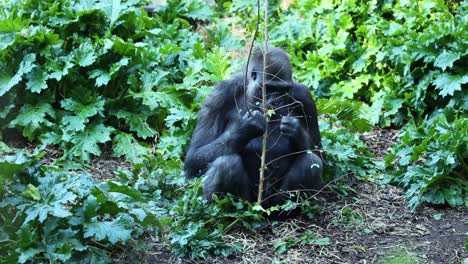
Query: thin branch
x,y
248,58
310,190
265,110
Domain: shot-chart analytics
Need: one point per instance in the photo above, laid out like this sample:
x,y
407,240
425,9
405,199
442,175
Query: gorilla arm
x,y
309,124
219,130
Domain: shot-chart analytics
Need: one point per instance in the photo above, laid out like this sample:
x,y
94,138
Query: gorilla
x,y
227,142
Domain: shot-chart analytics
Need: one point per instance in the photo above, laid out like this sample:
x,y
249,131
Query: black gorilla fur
x,y
227,141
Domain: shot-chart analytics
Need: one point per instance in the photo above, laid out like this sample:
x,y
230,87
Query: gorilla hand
x,y
255,124
291,128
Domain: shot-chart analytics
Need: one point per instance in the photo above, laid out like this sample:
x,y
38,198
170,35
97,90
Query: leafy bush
x,y
82,73
431,161
47,213
404,59
345,153
200,226
87,74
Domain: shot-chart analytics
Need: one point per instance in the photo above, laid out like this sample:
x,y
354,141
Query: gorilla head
x,y
278,78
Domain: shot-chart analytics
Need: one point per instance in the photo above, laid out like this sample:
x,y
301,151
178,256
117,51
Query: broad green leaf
x,y
449,84
137,123
73,123
103,77
85,55
28,254
218,64
126,145
437,217
151,80
197,9
113,10
177,115
116,230
157,99
6,39
31,192
12,24
86,142
7,82
37,81
59,67
90,208
172,145
82,110
446,59
39,211
33,117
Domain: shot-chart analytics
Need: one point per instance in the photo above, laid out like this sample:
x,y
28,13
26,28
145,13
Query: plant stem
x,y
248,59
265,110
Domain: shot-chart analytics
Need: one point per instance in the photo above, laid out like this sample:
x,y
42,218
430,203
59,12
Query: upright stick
x,y
265,110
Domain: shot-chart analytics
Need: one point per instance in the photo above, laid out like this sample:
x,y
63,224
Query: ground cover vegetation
x,y
90,76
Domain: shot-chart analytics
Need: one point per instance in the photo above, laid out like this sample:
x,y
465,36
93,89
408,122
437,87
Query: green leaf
x,y
84,111
37,81
218,64
449,84
137,123
31,192
151,80
324,241
39,211
11,164
86,142
85,55
178,115
116,230
124,144
453,197
437,217
73,123
7,82
197,9
157,99
113,10
59,67
103,77
446,59
28,254
33,118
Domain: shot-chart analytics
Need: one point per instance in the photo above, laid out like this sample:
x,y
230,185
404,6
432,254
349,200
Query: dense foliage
x,y
89,75
431,161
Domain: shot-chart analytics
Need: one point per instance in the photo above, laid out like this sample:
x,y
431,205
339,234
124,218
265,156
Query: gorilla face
x,y
277,79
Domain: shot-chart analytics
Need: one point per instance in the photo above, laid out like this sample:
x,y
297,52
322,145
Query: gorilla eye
x,y
253,75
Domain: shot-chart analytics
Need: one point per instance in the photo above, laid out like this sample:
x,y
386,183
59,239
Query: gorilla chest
x,y
278,147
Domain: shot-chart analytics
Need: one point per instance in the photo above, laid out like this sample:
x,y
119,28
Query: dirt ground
x,y
373,225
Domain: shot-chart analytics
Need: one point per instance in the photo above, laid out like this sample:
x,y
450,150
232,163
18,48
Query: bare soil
x,y
373,225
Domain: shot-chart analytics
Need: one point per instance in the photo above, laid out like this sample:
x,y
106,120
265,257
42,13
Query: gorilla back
x,y
227,141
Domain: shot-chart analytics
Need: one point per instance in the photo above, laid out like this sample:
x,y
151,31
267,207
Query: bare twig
x,y
265,110
309,190
248,58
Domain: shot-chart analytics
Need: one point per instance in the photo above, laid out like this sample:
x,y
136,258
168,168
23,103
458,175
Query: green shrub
x,y
431,161
82,73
